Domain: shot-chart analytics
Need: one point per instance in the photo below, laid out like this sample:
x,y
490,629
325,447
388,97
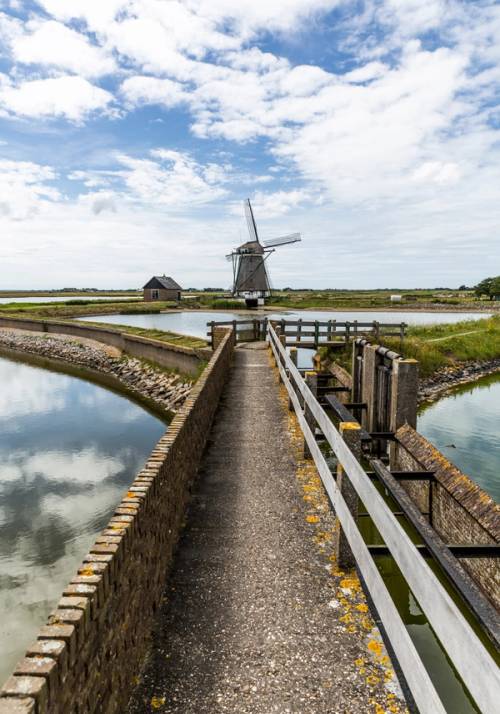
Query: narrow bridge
x,y
274,599
260,610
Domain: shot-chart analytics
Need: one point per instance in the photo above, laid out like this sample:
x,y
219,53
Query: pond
x,y
68,450
465,427
38,298
194,322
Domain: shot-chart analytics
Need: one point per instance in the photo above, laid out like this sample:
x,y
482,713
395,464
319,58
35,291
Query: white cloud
x,y
24,190
52,43
151,90
72,98
171,178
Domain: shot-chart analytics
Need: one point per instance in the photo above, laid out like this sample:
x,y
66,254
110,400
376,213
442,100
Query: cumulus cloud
x,y
52,43
25,188
72,98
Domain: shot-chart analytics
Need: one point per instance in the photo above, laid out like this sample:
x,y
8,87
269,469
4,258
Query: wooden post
x,y
294,358
316,334
351,434
299,330
347,331
376,329
212,328
329,331
404,399
312,382
282,339
402,328
355,329
235,332
357,351
369,386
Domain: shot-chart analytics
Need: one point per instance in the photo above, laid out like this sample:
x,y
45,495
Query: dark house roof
x,y
162,282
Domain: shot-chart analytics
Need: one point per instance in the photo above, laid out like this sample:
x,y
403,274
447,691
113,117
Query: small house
x,y
161,287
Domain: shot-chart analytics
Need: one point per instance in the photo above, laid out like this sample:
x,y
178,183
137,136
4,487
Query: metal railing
x,y
471,659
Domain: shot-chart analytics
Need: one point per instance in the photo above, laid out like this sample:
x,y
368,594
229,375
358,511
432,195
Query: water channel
x,y
68,450
465,427
67,298
194,322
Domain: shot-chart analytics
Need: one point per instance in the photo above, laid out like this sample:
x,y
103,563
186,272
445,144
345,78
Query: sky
x,y
131,131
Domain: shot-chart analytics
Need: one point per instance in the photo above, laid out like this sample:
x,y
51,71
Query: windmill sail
x,y
252,228
284,240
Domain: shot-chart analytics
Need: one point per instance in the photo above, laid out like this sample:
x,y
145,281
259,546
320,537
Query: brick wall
x,y
87,655
462,513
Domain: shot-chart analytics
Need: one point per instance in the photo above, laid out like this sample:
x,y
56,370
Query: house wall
x,y
162,294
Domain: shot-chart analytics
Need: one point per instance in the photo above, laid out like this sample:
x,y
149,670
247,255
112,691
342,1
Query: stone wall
x,y
184,359
462,513
87,655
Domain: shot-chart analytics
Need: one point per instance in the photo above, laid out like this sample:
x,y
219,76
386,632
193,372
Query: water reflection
x,y
68,449
464,426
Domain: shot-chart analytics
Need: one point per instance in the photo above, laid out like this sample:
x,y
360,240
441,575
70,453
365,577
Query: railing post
x,y
294,359
402,328
235,332
329,331
351,434
311,379
347,332
212,327
299,330
376,329
369,386
404,396
355,370
282,339
316,333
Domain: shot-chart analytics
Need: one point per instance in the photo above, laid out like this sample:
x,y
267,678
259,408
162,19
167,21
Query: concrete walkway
x,y
255,618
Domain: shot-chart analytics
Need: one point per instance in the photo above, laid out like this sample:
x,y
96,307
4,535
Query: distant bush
x,y
228,304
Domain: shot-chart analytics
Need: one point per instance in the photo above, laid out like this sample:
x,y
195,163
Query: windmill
x,y
250,276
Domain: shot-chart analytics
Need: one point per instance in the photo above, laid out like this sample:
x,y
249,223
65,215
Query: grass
x,y
173,338
437,346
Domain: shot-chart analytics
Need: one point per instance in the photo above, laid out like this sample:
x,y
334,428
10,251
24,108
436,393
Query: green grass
x,y
173,338
437,346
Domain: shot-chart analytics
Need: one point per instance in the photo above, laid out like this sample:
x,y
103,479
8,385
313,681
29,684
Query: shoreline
x,y
163,391
446,379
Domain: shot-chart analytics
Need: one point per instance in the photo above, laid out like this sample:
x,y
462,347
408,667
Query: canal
x,y
68,450
194,322
465,427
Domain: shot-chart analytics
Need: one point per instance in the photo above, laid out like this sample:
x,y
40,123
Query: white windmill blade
x,y
284,240
252,228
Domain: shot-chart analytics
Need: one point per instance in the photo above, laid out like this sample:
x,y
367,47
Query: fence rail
x,y
322,332
471,659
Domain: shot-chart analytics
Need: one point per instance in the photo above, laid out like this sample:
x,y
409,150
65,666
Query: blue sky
x,y
131,130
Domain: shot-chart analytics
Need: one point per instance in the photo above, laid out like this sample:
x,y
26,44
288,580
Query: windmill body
x,y
250,274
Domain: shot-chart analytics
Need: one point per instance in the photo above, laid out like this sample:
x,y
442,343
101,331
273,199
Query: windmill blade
x,y
252,228
284,240
230,256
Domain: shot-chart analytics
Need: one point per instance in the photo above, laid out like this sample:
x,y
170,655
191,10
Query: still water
x,y
6,300
194,322
465,427
68,450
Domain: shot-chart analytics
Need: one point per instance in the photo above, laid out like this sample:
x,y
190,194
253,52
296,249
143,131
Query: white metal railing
x,y
473,662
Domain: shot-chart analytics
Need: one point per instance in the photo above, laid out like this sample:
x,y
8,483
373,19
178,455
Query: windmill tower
x,y
250,276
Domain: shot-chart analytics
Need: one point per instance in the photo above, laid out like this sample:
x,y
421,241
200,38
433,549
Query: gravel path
x,y
255,617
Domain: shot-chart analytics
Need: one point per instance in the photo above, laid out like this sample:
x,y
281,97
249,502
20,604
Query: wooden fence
x,y
310,334
463,647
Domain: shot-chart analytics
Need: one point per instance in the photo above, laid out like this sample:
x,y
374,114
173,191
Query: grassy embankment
x,y
437,346
80,308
